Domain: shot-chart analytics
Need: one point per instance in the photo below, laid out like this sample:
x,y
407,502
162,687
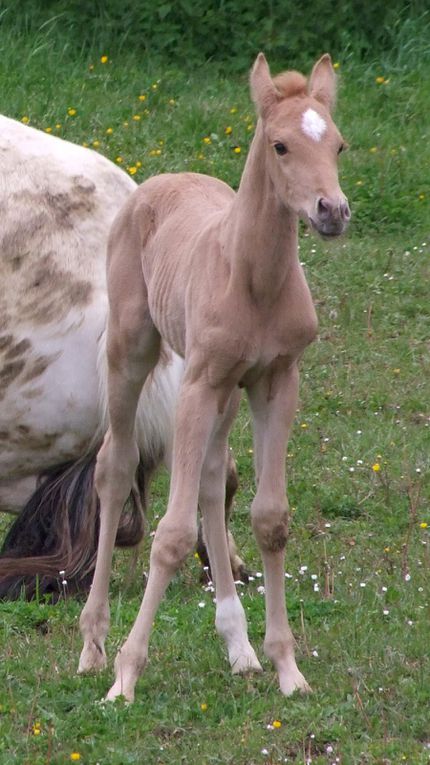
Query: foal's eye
x,y
280,149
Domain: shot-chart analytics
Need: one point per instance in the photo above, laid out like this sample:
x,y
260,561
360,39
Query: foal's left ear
x,y
322,82
263,91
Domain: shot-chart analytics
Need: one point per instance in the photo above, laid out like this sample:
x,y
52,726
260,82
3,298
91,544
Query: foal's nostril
x,y
323,208
345,211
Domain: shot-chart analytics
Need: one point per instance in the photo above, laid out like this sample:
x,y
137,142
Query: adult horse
x,y
176,235
57,202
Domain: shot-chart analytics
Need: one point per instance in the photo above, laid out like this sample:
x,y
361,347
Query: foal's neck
x,y
261,233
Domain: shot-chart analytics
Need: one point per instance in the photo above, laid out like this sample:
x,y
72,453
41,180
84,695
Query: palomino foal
x,y
217,275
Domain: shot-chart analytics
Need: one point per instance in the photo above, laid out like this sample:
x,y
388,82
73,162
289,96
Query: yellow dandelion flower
x,y
138,163
277,724
233,110
109,131
359,183
250,126
85,145
172,101
197,556
379,80
96,144
119,160
207,140
336,65
142,97
25,119
125,124
203,707
48,130
71,111
421,197
396,371
423,525
58,126
200,156
75,756
373,150
237,149
36,729
136,117
250,451
154,85
132,170
304,425
376,467
228,130
104,60
387,549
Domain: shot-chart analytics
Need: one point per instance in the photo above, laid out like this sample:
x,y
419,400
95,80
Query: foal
x,y
217,275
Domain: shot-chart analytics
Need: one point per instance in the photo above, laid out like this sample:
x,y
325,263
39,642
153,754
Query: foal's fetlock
x,y
93,657
94,627
128,668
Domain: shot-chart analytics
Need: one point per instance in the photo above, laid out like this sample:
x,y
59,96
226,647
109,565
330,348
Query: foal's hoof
x,y
294,681
92,658
245,663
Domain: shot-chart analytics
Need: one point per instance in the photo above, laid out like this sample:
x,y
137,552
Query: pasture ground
x,y
358,557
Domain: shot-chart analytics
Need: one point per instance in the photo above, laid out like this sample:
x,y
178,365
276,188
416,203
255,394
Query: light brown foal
x,y
217,275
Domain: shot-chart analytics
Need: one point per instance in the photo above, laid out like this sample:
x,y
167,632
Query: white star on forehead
x,y
313,124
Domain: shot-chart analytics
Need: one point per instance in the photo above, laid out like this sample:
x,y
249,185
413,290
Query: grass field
x,y
358,557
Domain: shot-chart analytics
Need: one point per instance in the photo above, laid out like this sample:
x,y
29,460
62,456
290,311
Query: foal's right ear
x,y
263,91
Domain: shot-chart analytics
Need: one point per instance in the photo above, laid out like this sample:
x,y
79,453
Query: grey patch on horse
x,y
10,372
17,350
51,292
39,366
5,341
32,393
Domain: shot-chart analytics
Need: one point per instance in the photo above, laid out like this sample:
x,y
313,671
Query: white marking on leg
x,y
231,625
313,125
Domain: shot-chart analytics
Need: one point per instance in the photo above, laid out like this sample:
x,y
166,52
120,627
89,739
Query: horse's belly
x,y
49,410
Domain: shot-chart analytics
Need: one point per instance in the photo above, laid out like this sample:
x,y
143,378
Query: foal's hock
x,y
217,276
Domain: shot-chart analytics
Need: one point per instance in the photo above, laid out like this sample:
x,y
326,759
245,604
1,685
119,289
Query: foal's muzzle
x,y
332,217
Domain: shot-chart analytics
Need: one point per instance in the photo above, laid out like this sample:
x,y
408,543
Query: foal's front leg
x,y
176,535
273,402
230,615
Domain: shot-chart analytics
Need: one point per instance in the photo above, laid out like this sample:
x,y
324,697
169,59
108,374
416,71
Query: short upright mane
x,y
290,84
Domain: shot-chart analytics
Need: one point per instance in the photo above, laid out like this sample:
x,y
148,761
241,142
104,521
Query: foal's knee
x,y
270,524
173,543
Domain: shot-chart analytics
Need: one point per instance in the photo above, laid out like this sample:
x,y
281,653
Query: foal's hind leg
x,y
133,346
273,402
176,535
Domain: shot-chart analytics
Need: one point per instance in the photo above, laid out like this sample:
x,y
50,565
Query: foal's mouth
x,y
327,230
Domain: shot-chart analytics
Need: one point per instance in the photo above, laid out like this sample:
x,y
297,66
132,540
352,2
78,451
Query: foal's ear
x,y
322,82
263,91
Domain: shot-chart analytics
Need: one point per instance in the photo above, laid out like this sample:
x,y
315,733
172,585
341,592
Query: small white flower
x,y
362,584
316,587
315,653
407,577
202,604
265,752
261,589
385,612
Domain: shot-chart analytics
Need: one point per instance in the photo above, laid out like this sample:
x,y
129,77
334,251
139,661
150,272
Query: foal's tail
x,y
57,531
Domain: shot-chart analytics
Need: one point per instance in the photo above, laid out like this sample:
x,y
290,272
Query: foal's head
x,y
302,142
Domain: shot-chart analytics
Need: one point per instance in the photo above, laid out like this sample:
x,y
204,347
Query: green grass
x,y
364,402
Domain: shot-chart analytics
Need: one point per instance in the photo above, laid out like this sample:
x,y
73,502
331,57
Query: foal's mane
x,y
290,84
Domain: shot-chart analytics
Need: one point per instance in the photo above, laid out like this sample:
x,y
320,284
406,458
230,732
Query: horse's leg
x,y
230,616
133,347
237,565
273,402
176,535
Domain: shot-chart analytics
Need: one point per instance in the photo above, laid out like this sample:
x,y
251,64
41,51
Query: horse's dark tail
x,y
57,531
